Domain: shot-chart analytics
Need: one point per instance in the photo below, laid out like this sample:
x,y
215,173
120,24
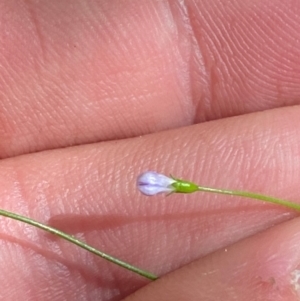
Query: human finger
x,y
264,267
89,191
87,71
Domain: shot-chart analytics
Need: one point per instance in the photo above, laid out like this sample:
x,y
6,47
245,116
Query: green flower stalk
x,y
152,183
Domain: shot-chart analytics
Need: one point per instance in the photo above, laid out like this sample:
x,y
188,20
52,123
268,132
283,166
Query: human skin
x,y
95,92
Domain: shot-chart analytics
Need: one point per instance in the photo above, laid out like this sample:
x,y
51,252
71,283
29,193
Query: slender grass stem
x,y
251,195
79,243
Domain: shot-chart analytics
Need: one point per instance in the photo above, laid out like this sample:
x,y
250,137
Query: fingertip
x,y
264,267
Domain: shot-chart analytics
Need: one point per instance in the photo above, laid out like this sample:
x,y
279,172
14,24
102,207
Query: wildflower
x,y
151,183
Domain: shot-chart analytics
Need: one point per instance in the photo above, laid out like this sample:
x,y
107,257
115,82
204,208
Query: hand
x,y
82,85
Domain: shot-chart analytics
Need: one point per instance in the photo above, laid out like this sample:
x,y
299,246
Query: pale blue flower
x,y
151,183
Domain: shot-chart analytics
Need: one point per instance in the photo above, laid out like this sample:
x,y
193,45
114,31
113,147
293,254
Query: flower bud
x,y
151,183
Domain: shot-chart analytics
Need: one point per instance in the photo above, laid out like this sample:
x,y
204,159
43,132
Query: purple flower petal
x,y
151,183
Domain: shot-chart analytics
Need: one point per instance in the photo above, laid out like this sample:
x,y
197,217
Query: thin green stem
x,y
252,195
79,243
